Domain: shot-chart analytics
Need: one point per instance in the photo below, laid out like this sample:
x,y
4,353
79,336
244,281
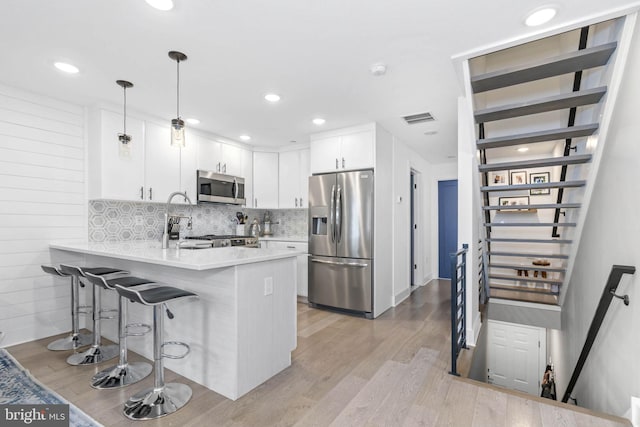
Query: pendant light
x,y
177,124
123,137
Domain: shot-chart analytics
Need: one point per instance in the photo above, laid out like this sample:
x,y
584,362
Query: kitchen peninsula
x,y
241,330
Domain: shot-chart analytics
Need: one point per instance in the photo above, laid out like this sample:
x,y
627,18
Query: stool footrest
x,y
175,343
145,329
109,311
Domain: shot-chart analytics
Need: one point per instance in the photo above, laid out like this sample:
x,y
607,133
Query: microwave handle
x,y
234,188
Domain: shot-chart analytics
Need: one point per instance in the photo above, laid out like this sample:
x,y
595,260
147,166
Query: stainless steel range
x,y
223,241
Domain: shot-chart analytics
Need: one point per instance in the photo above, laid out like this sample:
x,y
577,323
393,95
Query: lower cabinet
x,y
302,261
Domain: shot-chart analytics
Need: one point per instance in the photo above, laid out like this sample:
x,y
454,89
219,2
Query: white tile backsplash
x,y
112,220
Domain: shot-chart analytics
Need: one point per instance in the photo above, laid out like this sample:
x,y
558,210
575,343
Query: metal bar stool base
x,y
157,402
120,375
94,355
71,342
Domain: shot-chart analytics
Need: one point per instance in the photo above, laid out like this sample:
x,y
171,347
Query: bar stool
x,y
77,339
124,373
97,353
162,399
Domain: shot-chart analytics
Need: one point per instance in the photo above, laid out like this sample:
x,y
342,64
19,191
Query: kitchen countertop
x,y
284,239
192,259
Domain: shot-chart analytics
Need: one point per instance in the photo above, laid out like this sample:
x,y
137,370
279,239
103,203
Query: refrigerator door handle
x,y
339,214
350,264
332,213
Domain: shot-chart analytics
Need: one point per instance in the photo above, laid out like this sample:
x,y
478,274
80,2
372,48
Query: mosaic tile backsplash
x,y
112,220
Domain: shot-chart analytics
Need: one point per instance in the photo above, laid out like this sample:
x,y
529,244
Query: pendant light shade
x,y
177,124
123,137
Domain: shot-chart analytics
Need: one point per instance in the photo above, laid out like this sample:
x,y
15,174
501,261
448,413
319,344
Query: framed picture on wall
x,y
509,204
498,178
518,177
539,178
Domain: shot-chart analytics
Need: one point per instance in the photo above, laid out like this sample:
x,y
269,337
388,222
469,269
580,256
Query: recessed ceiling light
x,y
523,149
161,4
272,97
67,68
193,121
378,69
245,137
540,16
318,121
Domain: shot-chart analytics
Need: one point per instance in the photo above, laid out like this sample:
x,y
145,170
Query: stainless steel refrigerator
x,y
341,240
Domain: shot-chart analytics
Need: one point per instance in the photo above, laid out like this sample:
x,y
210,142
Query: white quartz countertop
x,y
193,259
284,239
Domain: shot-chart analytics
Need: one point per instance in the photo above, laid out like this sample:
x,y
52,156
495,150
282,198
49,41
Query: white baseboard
x,y
397,299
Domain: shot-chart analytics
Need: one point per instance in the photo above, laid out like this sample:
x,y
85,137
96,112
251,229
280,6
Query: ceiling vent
x,y
414,119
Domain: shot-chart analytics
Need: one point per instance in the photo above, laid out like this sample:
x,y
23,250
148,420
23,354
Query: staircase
x,y
537,118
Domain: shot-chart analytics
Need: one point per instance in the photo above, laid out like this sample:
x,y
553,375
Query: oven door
x,y
219,188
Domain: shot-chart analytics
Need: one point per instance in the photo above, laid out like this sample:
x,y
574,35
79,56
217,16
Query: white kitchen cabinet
x,y
265,180
302,261
346,149
161,164
147,169
218,157
293,177
116,170
188,170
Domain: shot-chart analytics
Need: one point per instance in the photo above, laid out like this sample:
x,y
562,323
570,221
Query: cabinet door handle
x,y
150,193
255,203
218,167
141,193
185,196
343,163
301,203
291,247
296,199
224,168
336,163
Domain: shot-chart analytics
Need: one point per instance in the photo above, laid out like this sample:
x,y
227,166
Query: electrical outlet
x,y
268,285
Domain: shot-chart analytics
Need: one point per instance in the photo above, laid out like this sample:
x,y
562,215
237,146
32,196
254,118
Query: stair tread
x,y
562,64
530,224
549,103
525,279
528,255
540,206
515,240
539,136
562,184
519,288
524,296
528,267
536,163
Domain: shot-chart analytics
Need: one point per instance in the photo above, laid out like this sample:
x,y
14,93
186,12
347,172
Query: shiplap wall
x,y
42,199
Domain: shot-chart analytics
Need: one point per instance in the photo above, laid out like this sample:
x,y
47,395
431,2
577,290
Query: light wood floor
x,y
346,371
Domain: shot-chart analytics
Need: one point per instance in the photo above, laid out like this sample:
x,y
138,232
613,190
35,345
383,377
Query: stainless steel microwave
x,y
219,188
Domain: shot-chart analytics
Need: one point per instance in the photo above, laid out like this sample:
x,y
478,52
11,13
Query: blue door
x,y
447,225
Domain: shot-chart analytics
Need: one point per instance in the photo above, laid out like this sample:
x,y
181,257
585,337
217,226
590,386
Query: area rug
x,y
18,386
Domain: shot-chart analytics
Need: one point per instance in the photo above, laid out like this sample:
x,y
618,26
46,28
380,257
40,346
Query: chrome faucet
x,y
165,234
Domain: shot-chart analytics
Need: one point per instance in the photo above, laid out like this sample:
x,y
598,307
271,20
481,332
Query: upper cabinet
x,y
146,169
345,149
293,177
222,158
265,181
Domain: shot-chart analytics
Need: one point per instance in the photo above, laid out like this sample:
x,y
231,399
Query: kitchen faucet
x,y
165,233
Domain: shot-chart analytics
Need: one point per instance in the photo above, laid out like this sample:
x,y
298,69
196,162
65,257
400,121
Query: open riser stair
x,y
537,108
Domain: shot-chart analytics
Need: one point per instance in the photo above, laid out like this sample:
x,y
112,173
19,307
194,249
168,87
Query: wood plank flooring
x,y
346,371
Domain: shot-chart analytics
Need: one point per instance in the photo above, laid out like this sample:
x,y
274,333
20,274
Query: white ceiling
x,y
316,55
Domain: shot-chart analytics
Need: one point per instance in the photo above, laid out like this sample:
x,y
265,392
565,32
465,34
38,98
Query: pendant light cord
x,y
178,88
124,88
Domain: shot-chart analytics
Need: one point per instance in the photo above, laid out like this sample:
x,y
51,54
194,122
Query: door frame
x,y
439,224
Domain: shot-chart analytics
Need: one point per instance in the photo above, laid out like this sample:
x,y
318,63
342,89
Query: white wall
x,y
610,236
42,198
404,161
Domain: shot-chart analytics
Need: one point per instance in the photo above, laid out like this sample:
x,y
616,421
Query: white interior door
x,y
516,356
